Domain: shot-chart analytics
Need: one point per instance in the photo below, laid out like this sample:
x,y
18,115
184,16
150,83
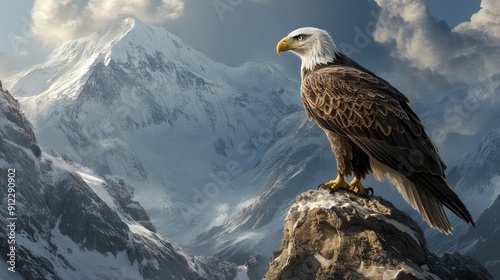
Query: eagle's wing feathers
x,y
376,117
359,106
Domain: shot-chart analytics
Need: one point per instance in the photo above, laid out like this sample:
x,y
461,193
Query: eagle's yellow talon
x,y
356,187
336,184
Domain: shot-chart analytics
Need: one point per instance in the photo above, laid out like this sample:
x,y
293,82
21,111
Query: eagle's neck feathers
x,y
321,51
317,57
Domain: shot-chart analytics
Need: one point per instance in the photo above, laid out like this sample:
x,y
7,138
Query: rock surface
x,y
344,236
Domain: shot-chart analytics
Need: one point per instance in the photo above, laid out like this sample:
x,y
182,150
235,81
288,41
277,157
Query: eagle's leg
x,y
336,184
356,187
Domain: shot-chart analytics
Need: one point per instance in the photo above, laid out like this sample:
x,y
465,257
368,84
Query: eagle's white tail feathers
x,y
419,198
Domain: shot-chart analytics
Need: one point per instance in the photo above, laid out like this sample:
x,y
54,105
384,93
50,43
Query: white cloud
x,y
485,23
468,53
54,21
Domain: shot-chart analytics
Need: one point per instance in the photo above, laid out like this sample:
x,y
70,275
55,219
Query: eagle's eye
x,y
300,38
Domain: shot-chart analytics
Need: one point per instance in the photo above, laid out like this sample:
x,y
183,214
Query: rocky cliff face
x,y
344,236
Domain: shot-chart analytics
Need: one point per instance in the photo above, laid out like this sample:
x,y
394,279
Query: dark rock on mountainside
x,y
257,267
21,132
122,193
345,236
484,243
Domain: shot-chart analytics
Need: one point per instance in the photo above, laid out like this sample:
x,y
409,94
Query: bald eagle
x,y
371,128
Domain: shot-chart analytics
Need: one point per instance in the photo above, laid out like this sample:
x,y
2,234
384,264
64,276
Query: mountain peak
x,y
126,19
125,40
129,40
116,28
99,43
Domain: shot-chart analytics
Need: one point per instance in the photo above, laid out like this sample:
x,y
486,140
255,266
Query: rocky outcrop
x,y
345,236
14,126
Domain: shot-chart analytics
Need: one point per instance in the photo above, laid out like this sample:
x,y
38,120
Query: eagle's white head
x,y
314,46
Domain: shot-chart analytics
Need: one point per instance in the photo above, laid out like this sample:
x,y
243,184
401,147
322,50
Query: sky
x,y
229,31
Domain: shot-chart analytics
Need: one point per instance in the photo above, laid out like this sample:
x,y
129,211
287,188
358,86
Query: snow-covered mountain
x,y
65,222
478,173
477,180
133,102
298,161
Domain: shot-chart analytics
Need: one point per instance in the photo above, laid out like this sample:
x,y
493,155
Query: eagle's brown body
x,y
373,130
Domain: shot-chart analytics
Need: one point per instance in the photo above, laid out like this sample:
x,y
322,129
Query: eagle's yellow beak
x,y
284,45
